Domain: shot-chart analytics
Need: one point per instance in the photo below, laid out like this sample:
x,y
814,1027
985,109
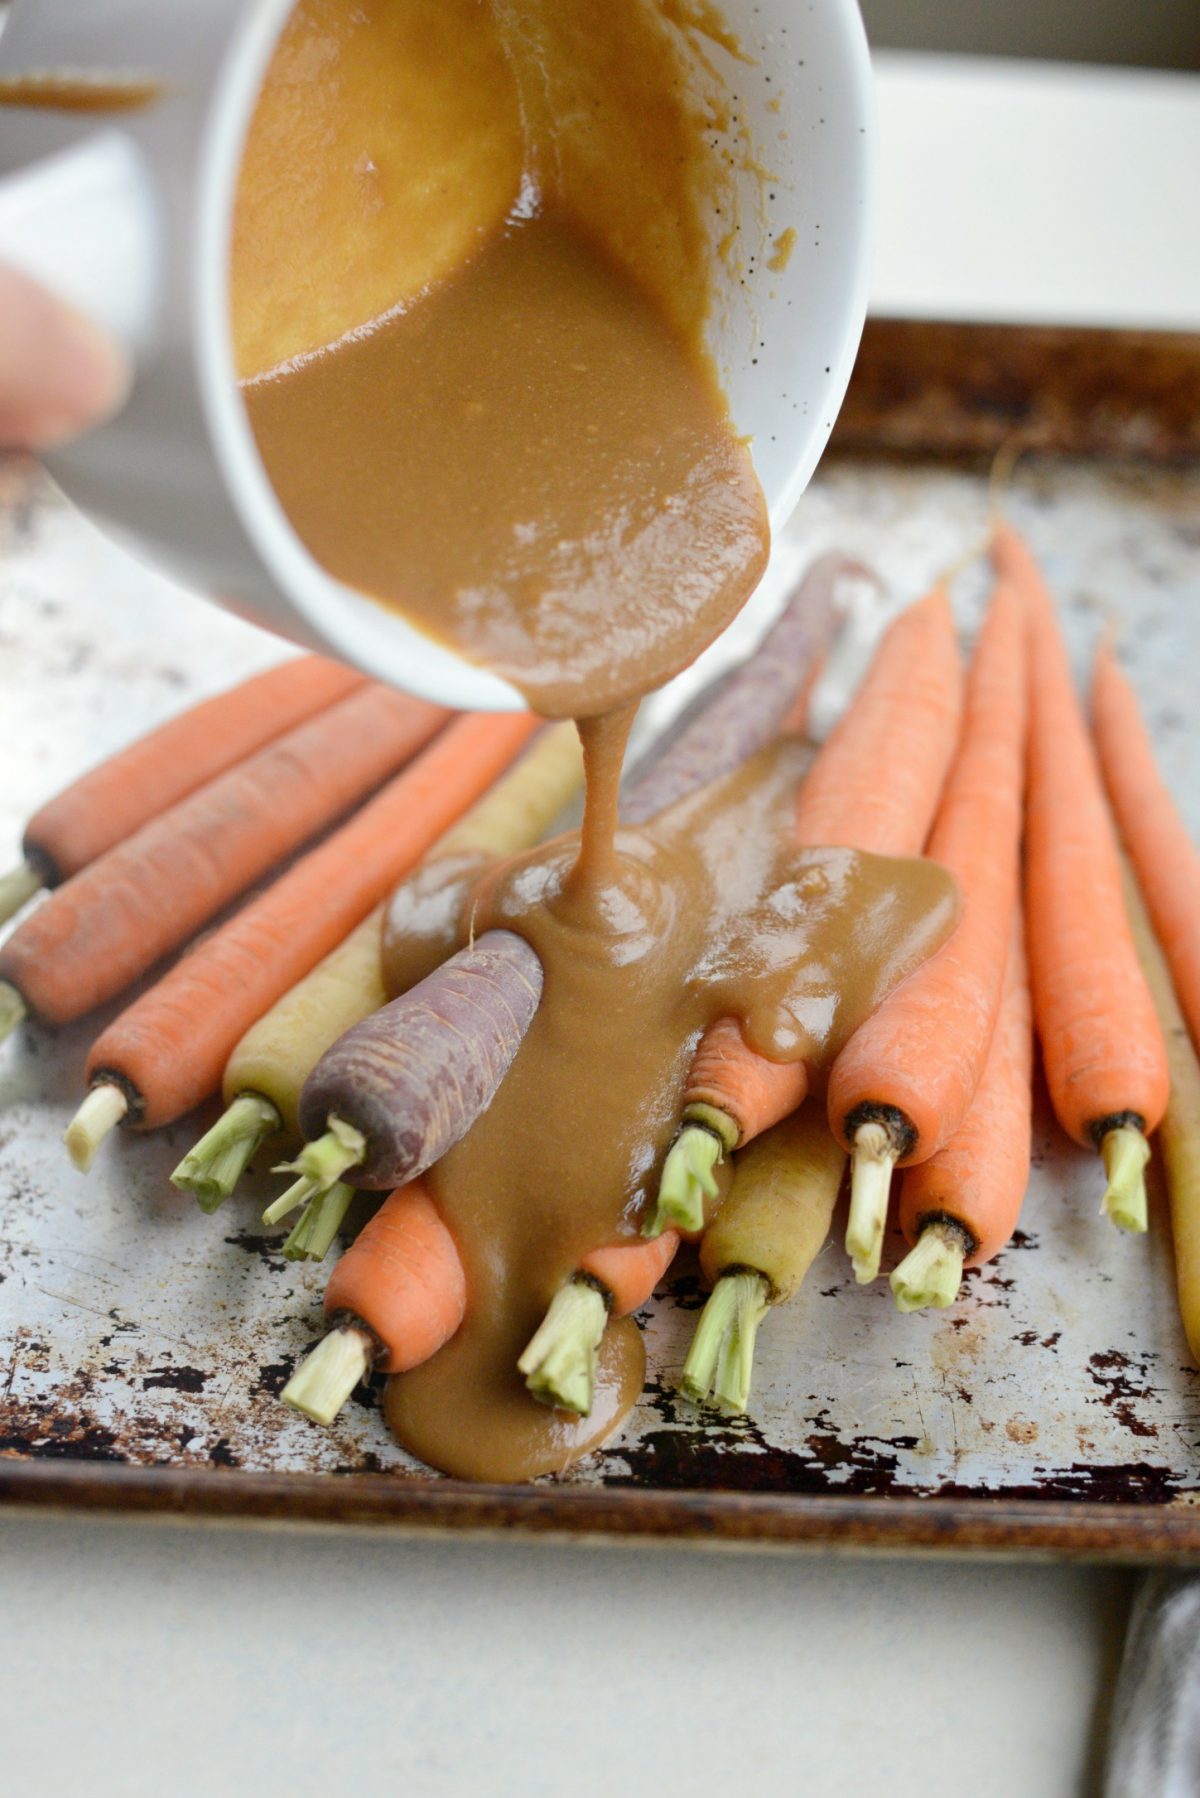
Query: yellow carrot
x,y
760,1246
1178,1136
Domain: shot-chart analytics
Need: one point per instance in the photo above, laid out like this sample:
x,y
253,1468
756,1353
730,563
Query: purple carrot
x,y
749,706
398,1090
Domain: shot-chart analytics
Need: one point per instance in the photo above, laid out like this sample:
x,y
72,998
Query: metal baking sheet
x,y
143,1345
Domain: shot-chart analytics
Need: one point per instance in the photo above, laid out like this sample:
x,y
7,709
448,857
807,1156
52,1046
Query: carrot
x,y
901,1086
152,892
167,1051
959,1207
1162,852
752,705
1105,1061
879,776
560,1360
391,1095
402,1276
1179,1133
874,786
110,802
470,1016
268,1067
399,1293
759,1247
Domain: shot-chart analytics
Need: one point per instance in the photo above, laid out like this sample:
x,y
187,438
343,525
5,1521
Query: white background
x,y
140,1659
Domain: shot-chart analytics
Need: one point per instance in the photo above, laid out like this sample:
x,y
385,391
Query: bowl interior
x,y
790,298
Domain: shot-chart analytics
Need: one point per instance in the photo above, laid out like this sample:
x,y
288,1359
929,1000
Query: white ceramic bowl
x,y
128,216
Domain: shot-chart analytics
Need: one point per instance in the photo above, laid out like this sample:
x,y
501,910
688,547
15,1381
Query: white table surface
x,y
142,1658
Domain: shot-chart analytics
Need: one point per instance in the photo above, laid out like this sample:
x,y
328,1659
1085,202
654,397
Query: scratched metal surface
x,y
134,1329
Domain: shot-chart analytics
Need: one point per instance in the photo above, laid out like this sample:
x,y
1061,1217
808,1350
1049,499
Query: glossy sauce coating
x,y
706,912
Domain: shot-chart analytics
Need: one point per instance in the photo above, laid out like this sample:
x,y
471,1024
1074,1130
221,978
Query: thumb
x,y
58,373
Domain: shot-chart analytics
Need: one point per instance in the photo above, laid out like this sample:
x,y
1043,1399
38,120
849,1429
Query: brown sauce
x,y
67,93
471,275
710,911
555,488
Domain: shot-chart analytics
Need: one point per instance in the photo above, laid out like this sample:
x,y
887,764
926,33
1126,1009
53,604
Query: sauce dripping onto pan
x,y
708,911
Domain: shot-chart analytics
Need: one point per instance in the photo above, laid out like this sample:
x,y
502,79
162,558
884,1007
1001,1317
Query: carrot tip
x,y
17,889
13,1010
325,1378
319,1223
687,1180
1125,1153
560,1362
871,1167
320,1165
99,1114
720,1362
931,1273
213,1168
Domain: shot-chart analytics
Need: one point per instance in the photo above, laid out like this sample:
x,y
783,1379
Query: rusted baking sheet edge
x,y
1152,1533
923,388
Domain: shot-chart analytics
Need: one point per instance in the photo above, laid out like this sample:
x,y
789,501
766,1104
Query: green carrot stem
x,y
931,1273
871,1166
320,1165
13,1009
100,1113
1125,1153
325,1378
560,1362
720,1362
687,1180
17,889
319,1222
213,1168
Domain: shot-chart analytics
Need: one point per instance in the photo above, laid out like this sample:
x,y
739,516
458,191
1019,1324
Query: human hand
x,y
58,374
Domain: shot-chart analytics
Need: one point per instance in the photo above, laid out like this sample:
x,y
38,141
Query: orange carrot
x,y
111,801
399,1293
167,1051
560,1360
1166,860
901,1086
1103,1050
137,783
960,1207
876,783
152,892
629,1271
875,786
402,1278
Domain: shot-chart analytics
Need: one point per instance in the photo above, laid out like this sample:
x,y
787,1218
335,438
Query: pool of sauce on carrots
x,y
472,268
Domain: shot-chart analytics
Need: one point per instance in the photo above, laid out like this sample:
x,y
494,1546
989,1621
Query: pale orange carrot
x,y
150,894
111,801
